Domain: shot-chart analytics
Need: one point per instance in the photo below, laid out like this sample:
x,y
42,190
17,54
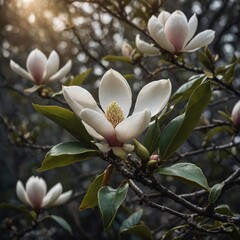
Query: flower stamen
x,y
114,114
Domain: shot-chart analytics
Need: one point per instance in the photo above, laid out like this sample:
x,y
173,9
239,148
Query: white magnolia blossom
x,y
41,69
174,33
111,124
36,196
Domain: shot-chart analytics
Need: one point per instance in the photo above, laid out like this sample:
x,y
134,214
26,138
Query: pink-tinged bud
x,y
154,157
236,115
127,50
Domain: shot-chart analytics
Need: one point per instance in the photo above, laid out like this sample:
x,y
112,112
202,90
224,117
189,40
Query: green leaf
x,y
129,76
67,153
216,130
228,71
187,88
180,128
90,199
109,200
169,234
111,58
186,171
62,222
224,209
66,119
151,139
78,80
131,221
215,192
140,230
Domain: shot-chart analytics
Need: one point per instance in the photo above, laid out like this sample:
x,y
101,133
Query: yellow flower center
x,y
114,114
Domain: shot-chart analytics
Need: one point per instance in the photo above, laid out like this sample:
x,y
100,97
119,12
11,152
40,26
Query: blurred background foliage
x,y
86,31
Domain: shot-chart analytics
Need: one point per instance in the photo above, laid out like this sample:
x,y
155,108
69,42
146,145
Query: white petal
x,y
19,70
52,65
64,197
176,30
32,89
178,12
52,195
36,189
154,96
156,30
192,27
114,87
62,72
133,126
128,147
163,17
79,98
202,39
103,147
146,48
36,65
92,132
21,193
98,122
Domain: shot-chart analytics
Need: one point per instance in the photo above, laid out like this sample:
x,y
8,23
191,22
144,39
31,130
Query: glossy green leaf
x,y
180,128
62,222
111,58
186,171
66,119
67,153
90,199
187,88
140,230
78,80
224,209
215,192
151,139
109,201
131,221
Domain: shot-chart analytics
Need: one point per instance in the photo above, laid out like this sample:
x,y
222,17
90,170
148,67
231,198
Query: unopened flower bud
x,y
119,152
152,164
141,151
45,92
154,157
236,115
126,50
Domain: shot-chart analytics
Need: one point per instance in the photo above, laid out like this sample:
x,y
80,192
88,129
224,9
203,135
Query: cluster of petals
x,y
36,195
111,123
174,33
40,69
236,115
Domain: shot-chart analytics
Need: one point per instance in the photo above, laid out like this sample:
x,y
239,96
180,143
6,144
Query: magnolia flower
x,y
236,115
42,70
174,33
36,194
112,123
